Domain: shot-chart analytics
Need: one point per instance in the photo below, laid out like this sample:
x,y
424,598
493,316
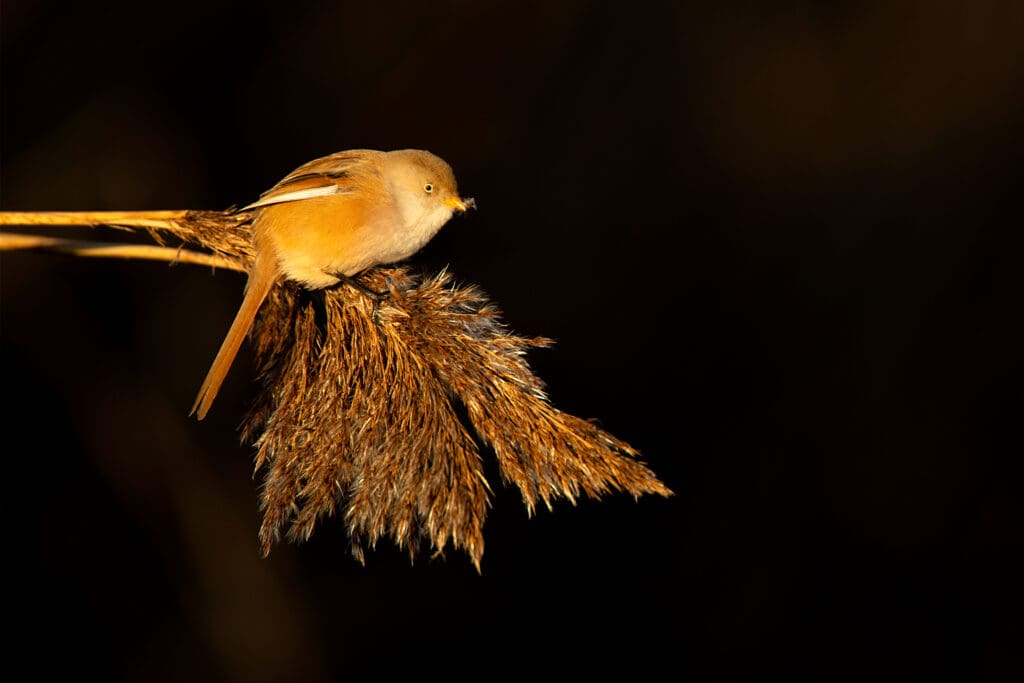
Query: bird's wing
x,y
322,177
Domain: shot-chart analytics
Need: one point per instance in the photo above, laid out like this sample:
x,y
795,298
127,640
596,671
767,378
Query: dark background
x,y
780,251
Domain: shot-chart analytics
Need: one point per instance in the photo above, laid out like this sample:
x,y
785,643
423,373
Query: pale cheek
x,y
440,216
427,226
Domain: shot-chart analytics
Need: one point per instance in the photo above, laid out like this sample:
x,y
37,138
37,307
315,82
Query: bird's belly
x,y
315,241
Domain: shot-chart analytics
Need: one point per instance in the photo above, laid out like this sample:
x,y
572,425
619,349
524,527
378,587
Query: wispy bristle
x,y
360,412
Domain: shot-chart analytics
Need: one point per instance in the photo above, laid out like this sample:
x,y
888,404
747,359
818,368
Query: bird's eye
x,y
428,188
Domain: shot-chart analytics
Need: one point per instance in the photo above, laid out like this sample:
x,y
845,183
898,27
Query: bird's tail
x,y
261,279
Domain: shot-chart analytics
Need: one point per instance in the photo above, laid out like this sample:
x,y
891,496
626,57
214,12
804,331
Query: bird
x,y
329,220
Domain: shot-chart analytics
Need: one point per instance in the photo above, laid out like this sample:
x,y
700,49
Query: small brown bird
x,y
332,218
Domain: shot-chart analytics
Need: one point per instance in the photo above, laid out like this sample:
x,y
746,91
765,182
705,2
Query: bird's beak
x,y
461,204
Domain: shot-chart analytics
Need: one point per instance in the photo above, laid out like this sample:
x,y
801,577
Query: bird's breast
x,y
315,239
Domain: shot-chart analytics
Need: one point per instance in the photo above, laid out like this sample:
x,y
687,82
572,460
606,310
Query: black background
x,y
779,249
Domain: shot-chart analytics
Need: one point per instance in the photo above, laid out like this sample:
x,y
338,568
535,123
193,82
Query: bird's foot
x,y
373,295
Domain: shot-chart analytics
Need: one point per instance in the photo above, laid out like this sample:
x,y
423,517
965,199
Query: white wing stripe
x,y
297,195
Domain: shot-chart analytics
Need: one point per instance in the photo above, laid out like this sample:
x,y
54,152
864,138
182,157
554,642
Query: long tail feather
x,y
261,279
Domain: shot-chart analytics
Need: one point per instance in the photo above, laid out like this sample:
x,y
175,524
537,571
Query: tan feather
x,y
261,279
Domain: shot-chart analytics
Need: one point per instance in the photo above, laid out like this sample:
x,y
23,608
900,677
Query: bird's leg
x,y
376,296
